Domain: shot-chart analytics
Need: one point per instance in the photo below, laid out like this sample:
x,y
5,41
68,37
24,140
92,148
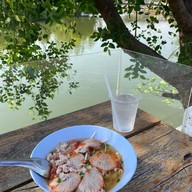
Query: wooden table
x,y
164,154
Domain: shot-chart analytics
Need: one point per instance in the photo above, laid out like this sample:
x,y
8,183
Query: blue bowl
x,y
116,140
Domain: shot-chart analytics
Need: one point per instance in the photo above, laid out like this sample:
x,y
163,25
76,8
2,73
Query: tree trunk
x,y
118,31
182,12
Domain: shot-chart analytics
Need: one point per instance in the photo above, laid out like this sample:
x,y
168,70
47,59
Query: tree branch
x,y
118,30
182,12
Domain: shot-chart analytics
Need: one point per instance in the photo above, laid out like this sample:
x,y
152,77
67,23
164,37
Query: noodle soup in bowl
x,y
117,144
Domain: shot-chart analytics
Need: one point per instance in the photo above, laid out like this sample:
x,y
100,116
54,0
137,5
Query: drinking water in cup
x,y
124,110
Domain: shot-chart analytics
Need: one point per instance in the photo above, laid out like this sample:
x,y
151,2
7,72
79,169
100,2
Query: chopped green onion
x,y
81,173
58,180
88,166
106,146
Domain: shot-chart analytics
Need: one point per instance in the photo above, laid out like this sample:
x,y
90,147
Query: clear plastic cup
x,y
124,111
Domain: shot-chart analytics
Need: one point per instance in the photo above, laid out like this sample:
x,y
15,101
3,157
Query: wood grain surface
x,y
19,144
164,162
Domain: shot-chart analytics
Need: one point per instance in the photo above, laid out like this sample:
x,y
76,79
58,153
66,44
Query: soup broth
x,y
114,176
84,165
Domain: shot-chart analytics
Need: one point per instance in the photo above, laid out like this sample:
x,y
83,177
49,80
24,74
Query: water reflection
x,y
38,80
89,67
90,71
85,27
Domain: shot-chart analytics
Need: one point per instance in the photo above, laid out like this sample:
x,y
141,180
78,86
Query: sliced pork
x,y
68,183
76,160
87,145
67,147
104,161
91,182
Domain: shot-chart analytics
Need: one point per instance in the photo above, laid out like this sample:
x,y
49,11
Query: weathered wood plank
x,y
19,144
164,161
30,187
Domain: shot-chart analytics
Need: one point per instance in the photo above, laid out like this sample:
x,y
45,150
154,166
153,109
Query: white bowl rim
x,y
130,156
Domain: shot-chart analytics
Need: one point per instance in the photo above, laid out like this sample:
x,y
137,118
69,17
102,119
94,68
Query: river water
x,y
91,63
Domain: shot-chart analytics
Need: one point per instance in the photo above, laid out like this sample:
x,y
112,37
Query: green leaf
x,y
17,18
104,44
105,49
45,36
111,45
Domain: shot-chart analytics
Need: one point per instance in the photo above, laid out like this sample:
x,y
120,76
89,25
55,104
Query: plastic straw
x,y
93,135
108,86
111,97
119,73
